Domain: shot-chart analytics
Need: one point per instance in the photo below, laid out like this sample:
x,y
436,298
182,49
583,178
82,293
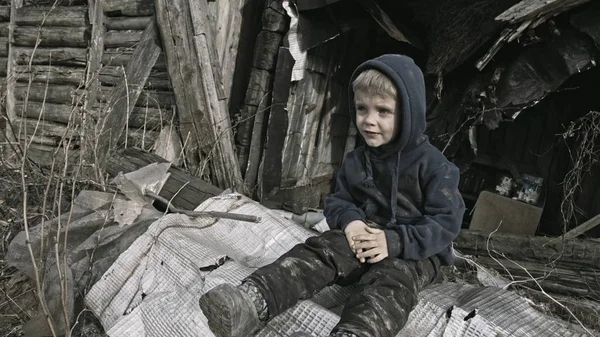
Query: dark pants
x,y
386,291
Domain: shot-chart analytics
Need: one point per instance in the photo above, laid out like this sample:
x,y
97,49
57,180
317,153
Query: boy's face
x,y
375,118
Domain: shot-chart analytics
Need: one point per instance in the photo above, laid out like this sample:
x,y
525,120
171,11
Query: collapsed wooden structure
x,y
252,95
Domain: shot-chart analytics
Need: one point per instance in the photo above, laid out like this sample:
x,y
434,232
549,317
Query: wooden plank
x,y
127,23
140,138
123,97
122,38
4,28
96,17
150,118
147,98
270,179
50,74
54,56
65,16
10,88
184,191
584,227
51,36
202,24
275,18
129,7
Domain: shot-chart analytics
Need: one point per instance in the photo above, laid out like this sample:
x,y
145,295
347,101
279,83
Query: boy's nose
x,y
370,118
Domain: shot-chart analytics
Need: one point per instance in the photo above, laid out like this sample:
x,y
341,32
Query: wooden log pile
x,y
566,267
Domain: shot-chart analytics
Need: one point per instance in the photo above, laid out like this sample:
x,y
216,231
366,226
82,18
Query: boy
x,y
393,216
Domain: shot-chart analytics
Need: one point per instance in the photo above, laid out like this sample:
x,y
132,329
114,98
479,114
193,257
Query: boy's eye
x,y
385,111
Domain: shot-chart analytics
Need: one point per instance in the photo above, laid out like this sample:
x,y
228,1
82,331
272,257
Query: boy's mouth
x,y
371,133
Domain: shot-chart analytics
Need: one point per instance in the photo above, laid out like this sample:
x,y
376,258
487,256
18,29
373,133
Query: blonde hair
x,y
374,82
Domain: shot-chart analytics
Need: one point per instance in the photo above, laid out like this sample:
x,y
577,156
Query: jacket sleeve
x,y
340,207
441,222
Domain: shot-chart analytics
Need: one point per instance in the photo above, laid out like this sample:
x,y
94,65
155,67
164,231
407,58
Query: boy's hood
x,y
410,88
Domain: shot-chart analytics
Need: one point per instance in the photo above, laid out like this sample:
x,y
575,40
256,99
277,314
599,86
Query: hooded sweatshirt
x,y
407,186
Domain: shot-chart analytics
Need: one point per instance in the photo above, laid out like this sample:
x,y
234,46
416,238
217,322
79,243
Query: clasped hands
x,y
368,244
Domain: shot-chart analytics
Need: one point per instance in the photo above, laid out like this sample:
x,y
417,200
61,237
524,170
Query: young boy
x,y
393,216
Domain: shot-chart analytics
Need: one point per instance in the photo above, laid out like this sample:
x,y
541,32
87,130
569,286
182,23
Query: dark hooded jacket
x,y
408,173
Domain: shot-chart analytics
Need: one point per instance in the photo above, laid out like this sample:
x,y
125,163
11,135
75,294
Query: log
x,y
3,66
4,29
4,13
129,7
54,56
3,46
122,38
38,92
127,23
137,72
122,56
159,79
270,179
140,138
52,112
147,98
151,118
576,252
52,36
184,191
65,16
43,155
34,127
50,74
267,49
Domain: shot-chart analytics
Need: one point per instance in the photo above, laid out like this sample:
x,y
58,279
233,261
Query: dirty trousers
x,y
385,292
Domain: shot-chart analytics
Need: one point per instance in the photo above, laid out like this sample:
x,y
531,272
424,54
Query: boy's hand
x,y
353,229
371,245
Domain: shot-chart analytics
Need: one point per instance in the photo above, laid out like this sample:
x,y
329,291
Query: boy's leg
x,y
298,274
305,270
386,295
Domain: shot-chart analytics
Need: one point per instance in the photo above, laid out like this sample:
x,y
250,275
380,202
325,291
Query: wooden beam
x,y
124,96
51,36
530,9
54,56
194,72
182,189
584,227
96,17
10,86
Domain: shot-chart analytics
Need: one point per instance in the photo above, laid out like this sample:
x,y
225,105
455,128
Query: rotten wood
x,y
51,36
3,65
4,28
34,127
128,23
267,49
508,35
584,227
116,109
213,214
278,122
50,74
65,16
183,190
54,56
122,38
129,7
204,119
